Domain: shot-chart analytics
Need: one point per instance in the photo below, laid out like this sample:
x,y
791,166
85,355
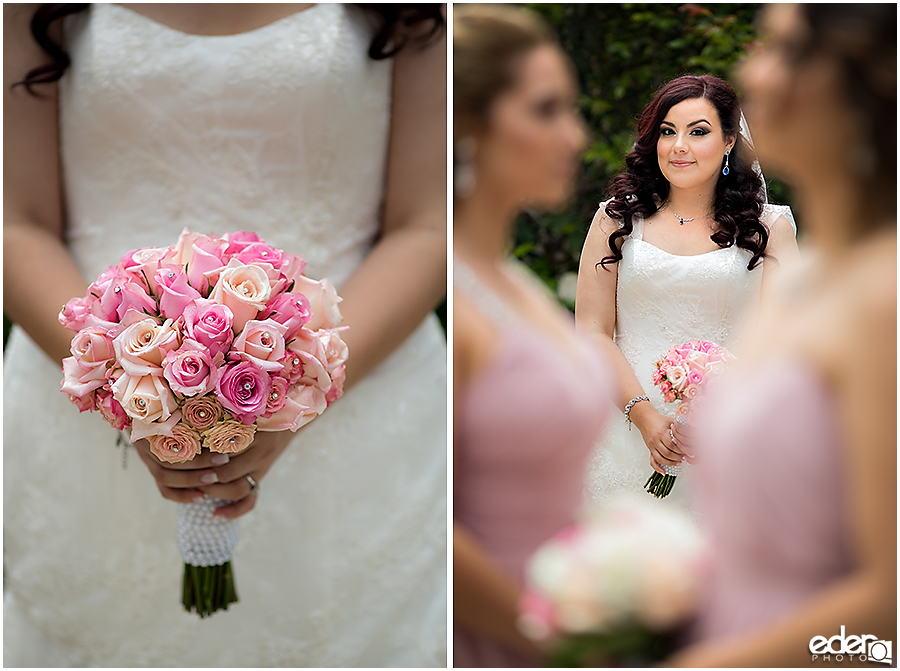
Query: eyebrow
x,y
692,123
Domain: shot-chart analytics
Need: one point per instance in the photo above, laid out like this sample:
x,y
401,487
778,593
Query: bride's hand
x,y
658,433
255,461
219,475
684,438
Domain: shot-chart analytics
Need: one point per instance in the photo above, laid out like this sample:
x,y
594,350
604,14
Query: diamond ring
x,y
254,485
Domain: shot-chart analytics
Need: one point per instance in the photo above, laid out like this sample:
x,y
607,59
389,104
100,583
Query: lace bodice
x,y
153,161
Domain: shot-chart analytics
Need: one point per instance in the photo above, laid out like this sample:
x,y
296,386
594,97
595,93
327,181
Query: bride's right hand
x,y
181,482
656,430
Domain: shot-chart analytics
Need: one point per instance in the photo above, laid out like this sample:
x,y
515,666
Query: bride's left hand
x,y
255,461
684,438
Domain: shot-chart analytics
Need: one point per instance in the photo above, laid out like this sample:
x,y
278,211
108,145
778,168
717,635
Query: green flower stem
x,y
208,589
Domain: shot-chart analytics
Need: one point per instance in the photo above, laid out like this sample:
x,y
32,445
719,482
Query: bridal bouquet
x,y
197,346
681,374
615,587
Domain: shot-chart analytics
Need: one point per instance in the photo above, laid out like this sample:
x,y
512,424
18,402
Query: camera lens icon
x,y
881,651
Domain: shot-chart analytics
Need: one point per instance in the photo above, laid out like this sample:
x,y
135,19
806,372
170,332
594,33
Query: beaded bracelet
x,y
636,399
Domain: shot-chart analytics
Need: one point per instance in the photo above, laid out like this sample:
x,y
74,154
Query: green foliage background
x,y
623,53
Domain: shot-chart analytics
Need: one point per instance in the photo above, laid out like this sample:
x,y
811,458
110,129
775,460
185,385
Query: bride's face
x,y
530,150
691,146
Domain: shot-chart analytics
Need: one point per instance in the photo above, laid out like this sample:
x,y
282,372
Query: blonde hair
x,y
488,41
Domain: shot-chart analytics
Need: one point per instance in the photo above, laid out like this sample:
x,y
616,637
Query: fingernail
x,y
209,478
219,459
198,498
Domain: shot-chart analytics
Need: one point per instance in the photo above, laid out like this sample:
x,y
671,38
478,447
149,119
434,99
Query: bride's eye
x,y
699,132
666,131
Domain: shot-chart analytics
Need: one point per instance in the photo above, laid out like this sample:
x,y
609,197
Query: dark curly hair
x,y
642,188
387,41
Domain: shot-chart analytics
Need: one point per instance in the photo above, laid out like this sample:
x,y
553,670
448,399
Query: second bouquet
x,y
197,346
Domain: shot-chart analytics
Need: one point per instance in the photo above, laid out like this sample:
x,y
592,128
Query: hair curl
x,y
642,188
390,37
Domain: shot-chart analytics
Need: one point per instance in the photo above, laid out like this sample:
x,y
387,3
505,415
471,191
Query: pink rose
x,y
229,437
183,445
260,252
141,429
240,240
111,410
334,347
86,403
79,380
277,396
209,324
144,398
124,294
261,342
73,313
323,301
175,292
338,376
691,392
244,290
302,405
311,352
243,389
201,412
92,347
141,347
695,377
143,264
290,309
292,266
665,386
670,397
190,370
293,366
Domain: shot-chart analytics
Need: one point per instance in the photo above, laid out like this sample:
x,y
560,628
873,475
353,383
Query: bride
x,y
683,250
292,121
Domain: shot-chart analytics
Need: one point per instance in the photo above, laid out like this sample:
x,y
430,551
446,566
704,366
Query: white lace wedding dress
x,y
281,130
664,300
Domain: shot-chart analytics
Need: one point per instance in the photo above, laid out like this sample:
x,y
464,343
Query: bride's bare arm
x,y
595,314
39,274
405,275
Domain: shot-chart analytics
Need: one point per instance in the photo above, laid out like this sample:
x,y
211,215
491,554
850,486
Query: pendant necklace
x,y
681,219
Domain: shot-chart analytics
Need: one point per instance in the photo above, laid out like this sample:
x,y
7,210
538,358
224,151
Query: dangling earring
x,y
464,167
725,170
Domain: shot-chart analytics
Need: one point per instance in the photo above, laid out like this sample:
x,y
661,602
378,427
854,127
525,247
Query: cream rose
x,y
144,398
142,346
323,302
243,289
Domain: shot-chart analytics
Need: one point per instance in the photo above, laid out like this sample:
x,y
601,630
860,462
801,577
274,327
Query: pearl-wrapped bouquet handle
x,y
207,545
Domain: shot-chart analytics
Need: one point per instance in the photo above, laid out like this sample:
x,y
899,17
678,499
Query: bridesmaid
x,y
530,396
800,445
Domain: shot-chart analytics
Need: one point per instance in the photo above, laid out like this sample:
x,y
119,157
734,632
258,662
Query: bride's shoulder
x,y
603,221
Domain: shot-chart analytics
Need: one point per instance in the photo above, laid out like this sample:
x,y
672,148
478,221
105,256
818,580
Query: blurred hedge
x,y
623,53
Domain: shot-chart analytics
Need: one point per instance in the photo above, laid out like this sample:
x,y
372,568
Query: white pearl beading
x,y
673,470
203,539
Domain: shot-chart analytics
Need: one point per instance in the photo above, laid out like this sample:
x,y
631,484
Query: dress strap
x,y
637,231
483,297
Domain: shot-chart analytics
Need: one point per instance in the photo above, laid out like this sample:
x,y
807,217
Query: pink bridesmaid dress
x,y
523,429
772,492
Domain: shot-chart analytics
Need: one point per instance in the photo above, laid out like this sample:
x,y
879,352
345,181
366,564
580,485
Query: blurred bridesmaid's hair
x,y
488,43
642,188
862,39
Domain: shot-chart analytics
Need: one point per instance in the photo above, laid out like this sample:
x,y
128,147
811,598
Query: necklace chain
x,y
681,219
